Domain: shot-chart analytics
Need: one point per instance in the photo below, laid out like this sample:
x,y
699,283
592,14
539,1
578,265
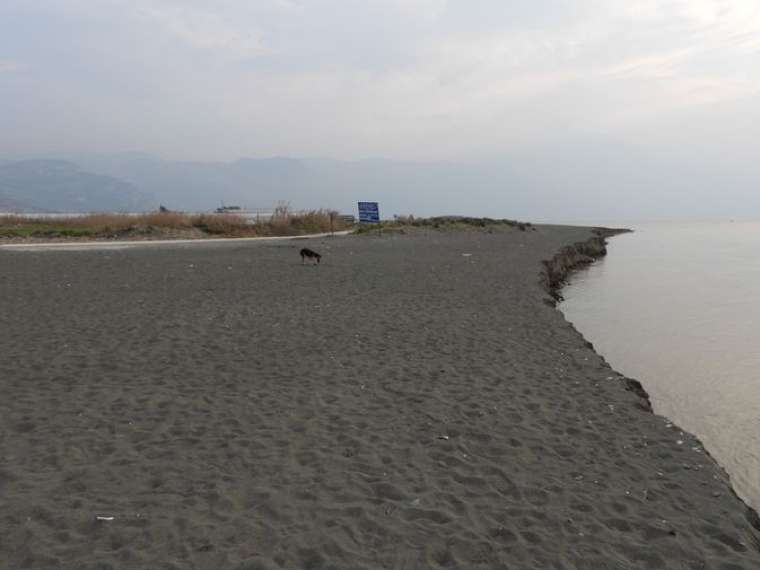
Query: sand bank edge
x,y
554,276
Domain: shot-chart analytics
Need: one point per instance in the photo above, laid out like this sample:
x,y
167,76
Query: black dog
x,y
311,254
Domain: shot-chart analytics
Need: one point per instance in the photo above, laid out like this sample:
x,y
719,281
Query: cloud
x,y
422,78
659,66
203,29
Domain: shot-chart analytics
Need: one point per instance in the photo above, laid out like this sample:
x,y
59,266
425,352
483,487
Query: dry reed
x,y
283,222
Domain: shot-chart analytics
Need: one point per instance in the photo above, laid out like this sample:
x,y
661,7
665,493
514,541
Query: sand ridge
x,y
403,405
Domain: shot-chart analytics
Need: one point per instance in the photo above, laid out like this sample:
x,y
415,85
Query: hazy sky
x,y
420,79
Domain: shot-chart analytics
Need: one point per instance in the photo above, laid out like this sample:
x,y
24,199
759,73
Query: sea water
x,y
677,306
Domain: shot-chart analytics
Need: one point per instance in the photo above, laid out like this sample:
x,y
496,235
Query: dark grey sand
x,y
401,406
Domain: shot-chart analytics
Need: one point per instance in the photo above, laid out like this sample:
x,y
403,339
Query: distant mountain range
x,y
593,180
515,187
401,187
202,186
62,186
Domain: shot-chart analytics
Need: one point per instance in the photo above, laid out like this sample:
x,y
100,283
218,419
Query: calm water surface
x,y
676,306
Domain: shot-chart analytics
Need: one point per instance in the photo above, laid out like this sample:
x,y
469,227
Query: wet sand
x,y
403,405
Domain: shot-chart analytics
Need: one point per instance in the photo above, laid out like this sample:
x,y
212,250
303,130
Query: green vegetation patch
x,y
443,223
42,230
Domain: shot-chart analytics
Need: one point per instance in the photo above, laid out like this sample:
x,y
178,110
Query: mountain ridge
x,y
56,185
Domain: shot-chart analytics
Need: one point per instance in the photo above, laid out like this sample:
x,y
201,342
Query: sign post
x,y
369,213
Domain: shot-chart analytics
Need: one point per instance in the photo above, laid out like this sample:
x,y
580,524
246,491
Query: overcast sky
x,y
421,79
603,97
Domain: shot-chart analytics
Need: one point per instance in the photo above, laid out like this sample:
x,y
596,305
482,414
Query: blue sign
x,y
369,212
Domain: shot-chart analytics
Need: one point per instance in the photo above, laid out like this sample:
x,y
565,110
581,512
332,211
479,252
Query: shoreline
x,y
555,275
412,402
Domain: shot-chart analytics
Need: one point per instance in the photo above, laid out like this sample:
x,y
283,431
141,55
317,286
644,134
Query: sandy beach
x,y
413,402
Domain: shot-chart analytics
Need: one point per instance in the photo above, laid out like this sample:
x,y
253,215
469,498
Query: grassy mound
x,y
401,223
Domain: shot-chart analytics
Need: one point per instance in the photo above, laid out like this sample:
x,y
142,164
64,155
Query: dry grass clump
x,y
283,222
10,219
167,220
94,225
223,225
